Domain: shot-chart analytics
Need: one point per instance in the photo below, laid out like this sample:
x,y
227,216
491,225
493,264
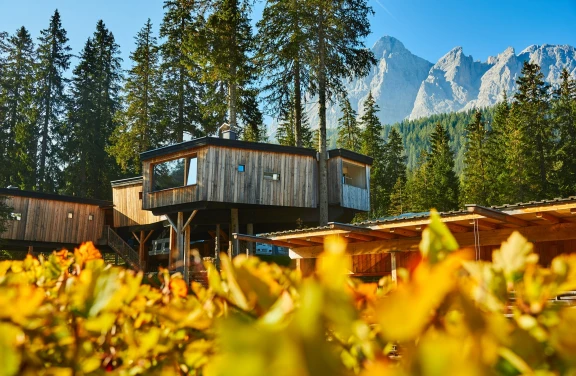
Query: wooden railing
x,y
122,248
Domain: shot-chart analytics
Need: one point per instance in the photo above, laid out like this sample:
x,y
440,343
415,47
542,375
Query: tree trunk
x,y
323,168
232,104
297,104
41,185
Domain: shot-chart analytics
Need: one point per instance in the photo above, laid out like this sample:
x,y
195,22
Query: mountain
x,y
406,86
394,82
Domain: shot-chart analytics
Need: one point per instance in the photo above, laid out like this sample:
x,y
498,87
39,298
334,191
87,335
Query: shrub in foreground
x,y
70,314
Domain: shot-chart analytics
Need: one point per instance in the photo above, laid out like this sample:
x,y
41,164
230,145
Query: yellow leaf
x,y
437,240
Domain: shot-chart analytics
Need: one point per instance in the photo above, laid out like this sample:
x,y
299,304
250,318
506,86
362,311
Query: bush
x,y
72,314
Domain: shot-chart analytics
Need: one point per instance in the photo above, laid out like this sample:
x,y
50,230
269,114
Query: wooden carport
x,y
549,224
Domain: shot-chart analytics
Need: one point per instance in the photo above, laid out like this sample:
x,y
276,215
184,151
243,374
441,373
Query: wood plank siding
x,y
43,220
346,195
218,178
128,206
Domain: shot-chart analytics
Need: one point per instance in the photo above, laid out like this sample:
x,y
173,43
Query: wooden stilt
x,y
30,250
186,268
306,266
393,267
234,228
177,254
250,245
217,246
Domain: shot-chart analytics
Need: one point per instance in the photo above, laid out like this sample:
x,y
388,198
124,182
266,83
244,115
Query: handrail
x,y
122,248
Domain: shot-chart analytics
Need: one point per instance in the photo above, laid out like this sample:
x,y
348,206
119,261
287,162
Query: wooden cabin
x,y
127,197
49,221
379,247
349,179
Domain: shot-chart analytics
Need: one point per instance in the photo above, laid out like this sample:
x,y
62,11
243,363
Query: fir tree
x,y
418,189
139,128
476,182
373,146
339,29
222,47
253,119
286,135
284,53
518,187
348,130
496,153
182,90
564,111
91,116
4,159
533,109
444,187
394,177
19,122
53,61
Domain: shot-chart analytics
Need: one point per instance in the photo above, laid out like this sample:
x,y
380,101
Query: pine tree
x,y
19,122
339,29
394,177
286,135
4,131
476,182
373,146
183,94
91,116
348,130
283,53
533,109
53,61
222,47
253,119
564,111
139,128
444,186
519,187
496,153
418,189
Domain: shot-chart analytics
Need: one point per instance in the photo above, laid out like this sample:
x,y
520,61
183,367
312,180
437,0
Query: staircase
x,y
122,248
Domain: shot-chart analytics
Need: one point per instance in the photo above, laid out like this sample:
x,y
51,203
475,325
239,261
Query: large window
x,y
354,175
168,174
175,173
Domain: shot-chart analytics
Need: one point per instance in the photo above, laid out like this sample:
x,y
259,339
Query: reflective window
x,y
271,175
168,174
192,171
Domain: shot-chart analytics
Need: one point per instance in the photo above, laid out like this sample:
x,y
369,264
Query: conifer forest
x,y
72,121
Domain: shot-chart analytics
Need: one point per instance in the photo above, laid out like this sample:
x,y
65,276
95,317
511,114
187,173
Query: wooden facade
x,y
127,197
219,180
46,218
349,180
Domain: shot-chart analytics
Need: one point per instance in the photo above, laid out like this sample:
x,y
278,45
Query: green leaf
x,y
437,240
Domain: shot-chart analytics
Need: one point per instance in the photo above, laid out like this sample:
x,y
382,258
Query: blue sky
x,y
428,28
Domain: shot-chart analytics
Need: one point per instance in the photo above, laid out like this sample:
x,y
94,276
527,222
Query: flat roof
x,y
205,141
52,196
128,181
348,154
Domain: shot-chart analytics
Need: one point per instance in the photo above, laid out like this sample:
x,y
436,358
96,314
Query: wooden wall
x,y
345,195
379,264
47,221
128,207
219,179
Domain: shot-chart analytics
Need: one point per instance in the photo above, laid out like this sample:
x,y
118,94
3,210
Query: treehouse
x,y
209,185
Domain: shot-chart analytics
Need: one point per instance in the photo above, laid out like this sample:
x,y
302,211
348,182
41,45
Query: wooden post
x,y
393,267
234,228
306,266
250,245
31,250
186,259
177,254
217,247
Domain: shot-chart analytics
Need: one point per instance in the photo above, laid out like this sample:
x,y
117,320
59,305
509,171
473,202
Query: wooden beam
x,y
250,245
560,231
497,215
257,239
457,228
223,234
353,235
361,230
298,242
148,236
484,225
190,218
234,229
548,217
404,232
174,226
315,239
573,211
136,237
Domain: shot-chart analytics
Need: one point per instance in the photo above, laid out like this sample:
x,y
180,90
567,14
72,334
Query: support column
x,y
393,267
31,250
186,258
177,253
250,245
307,266
217,247
234,228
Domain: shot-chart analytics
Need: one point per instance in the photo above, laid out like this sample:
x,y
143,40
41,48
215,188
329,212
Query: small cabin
x,y
349,179
44,220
